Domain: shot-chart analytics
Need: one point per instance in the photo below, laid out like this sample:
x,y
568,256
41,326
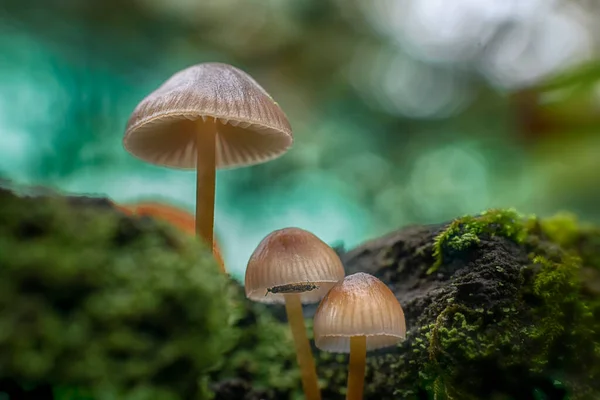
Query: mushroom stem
x,y
356,368
205,182
310,383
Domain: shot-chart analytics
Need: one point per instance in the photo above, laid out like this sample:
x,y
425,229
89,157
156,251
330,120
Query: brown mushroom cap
x,y
292,256
360,305
251,127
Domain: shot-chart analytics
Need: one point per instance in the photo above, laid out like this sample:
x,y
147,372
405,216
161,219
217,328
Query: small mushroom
x,y
358,314
205,117
293,266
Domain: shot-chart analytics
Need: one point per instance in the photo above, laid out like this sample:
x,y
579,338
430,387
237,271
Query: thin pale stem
x,y
205,182
310,383
356,367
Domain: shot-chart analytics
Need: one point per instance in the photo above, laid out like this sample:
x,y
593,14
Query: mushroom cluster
x,y
293,266
214,115
357,313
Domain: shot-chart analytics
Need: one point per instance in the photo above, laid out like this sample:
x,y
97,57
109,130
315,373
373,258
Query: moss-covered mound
x,y
497,306
96,305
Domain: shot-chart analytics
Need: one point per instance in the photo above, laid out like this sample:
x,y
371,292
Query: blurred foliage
x,y
404,111
93,302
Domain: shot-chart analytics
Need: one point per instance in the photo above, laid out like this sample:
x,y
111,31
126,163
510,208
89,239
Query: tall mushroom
x,y
205,117
293,266
358,314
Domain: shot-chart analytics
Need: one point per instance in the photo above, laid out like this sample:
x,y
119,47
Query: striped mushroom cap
x,y
360,305
292,256
251,127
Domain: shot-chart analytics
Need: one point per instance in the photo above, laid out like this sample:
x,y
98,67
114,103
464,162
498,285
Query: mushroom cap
x,y
292,256
251,127
360,305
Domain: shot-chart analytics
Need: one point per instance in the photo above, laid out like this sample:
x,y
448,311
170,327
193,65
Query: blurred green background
x,y
404,111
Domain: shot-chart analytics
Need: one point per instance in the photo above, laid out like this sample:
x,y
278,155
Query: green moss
x,y
465,232
572,313
573,236
562,229
541,326
117,307
264,352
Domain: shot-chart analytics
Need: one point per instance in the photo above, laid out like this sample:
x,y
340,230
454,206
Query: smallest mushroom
x,y
358,314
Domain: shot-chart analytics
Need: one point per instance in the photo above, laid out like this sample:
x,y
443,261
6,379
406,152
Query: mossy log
x,y
98,305
498,306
